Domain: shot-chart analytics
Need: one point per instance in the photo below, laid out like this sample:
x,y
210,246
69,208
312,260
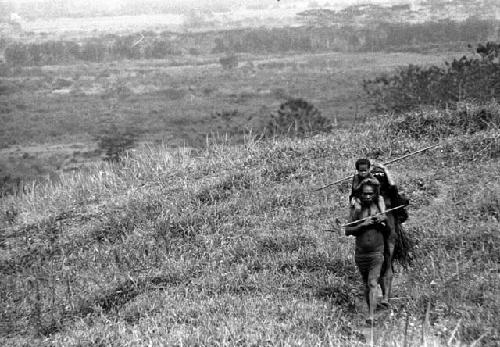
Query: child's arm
x,y
353,215
356,185
381,204
352,200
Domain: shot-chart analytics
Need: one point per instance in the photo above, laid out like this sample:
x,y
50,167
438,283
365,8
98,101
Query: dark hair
x,y
373,182
362,161
380,175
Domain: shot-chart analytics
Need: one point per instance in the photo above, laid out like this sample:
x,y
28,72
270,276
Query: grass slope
x,y
225,246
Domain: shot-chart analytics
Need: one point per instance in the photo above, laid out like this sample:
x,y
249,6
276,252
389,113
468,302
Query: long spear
x,y
363,219
386,163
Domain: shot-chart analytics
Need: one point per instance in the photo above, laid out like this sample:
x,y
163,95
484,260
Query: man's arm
x,y
356,229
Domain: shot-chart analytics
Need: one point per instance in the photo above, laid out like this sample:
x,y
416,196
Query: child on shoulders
x,y
363,173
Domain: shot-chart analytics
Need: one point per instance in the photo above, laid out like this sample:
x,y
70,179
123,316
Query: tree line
x,y
376,37
106,48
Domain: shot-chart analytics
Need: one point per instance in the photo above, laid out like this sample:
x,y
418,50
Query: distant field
x,y
214,21
174,101
104,24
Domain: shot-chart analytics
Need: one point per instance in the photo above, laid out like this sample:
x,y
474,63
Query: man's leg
x,y
366,291
364,270
386,281
387,273
372,285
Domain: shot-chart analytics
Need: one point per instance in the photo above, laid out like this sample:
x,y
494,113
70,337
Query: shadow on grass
x,y
310,262
109,303
223,189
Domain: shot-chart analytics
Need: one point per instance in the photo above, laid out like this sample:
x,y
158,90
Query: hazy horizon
x,y
61,8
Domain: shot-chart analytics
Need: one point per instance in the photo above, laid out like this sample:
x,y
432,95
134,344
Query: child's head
x,y
363,167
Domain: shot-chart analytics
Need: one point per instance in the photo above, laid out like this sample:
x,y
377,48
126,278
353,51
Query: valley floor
x,y
177,101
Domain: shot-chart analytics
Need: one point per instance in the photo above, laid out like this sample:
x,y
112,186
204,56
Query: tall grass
x,y
225,246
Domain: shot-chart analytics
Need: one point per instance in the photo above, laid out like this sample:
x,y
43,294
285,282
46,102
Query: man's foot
x,y
370,321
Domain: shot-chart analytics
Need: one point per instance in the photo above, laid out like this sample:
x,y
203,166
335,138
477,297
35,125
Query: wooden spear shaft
x,y
386,163
410,154
375,215
363,219
333,183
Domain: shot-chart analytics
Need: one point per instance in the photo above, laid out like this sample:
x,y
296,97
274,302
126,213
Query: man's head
x,y
369,191
363,167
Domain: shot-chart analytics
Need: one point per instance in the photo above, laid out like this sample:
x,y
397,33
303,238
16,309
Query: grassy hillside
x,y
225,246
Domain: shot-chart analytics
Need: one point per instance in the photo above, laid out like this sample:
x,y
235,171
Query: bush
x,y
229,62
436,125
7,87
463,79
297,117
114,142
10,185
61,83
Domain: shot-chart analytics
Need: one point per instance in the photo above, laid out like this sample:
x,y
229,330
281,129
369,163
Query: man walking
x,y
369,233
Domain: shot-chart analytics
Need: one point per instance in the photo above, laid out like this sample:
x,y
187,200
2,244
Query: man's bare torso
x,y
371,239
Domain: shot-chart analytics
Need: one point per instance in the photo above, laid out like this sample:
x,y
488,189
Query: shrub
x,y
61,83
297,117
119,89
17,54
194,51
114,142
229,62
8,87
435,124
463,79
10,185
